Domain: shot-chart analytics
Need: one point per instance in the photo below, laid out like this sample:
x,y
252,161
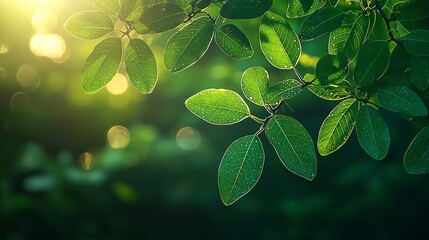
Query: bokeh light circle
x,y
118,136
188,138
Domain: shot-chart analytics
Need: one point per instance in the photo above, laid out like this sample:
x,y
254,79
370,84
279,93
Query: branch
x,y
387,23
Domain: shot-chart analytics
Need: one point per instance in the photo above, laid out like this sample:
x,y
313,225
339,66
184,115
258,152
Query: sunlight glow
x,y
118,85
28,77
188,138
118,136
52,46
86,160
308,61
3,49
44,20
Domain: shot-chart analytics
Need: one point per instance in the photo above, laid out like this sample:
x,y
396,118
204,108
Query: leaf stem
x,y
256,119
387,23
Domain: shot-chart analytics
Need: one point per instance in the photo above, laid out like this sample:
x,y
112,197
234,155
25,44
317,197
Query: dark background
x,y
163,185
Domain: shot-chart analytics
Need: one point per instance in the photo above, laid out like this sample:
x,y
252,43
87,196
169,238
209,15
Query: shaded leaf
x,y
301,8
417,42
347,39
255,85
416,159
372,132
233,42
414,10
218,106
110,7
403,100
279,43
337,127
320,22
283,90
419,73
141,66
240,168
89,24
127,7
245,9
101,65
162,17
372,62
189,44
293,145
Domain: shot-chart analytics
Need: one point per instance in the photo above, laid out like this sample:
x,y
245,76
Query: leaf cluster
x,y
377,60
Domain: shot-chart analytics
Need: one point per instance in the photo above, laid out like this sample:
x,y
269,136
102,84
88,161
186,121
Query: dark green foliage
x,y
376,60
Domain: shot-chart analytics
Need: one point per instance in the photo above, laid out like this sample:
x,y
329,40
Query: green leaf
x,y
101,65
279,43
110,7
372,62
320,22
255,85
403,100
89,24
417,42
141,66
414,10
201,4
283,90
189,44
329,71
162,17
301,8
245,9
347,39
240,168
337,127
419,73
331,92
218,106
233,42
416,159
372,132
127,6
379,32
293,145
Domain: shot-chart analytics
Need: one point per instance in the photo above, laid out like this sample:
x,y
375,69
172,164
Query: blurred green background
x,y
121,165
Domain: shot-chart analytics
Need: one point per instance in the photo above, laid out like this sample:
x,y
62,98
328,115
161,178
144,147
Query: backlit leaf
x,y
141,66
162,17
301,8
101,65
337,127
279,43
416,159
320,22
245,9
240,168
372,132
189,44
283,90
255,85
293,145
89,24
110,7
403,100
372,62
347,39
332,92
218,106
233,42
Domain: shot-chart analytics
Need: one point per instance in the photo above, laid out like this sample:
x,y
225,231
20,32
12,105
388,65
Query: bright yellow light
x,y
52,46
188,138
118,136
118,85
28,77
44,20
3,48
308,61
86,160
